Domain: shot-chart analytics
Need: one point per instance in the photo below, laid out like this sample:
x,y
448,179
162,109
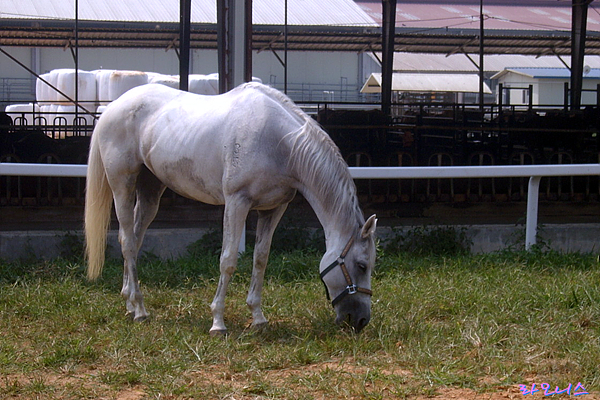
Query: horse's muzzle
x,y
354,312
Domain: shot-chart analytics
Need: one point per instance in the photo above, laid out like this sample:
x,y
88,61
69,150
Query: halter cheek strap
x,y
351,288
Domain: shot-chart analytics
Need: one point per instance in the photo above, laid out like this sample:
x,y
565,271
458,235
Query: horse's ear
x,y
369,227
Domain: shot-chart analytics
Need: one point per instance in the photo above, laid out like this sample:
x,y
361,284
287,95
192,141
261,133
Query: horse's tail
x,y
98,205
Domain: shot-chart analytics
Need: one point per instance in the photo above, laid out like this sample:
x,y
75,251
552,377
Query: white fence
x,y
533,172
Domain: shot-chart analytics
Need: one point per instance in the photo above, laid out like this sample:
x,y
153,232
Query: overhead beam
x,y
461,49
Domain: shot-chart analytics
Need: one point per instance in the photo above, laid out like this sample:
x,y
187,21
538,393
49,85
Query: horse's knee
x,y
260,258
253,301
228,270
228,263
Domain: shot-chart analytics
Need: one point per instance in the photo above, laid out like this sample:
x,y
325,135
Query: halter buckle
x,y
352,289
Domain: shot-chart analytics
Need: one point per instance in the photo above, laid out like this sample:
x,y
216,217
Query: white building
x,y
547,86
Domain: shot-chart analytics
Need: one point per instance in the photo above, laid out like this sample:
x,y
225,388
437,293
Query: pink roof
x,y
498,14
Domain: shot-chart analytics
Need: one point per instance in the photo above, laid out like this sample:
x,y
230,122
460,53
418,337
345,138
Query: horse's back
x,y
204,147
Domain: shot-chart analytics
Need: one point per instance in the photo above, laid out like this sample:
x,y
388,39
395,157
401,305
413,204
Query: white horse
x,y
250,148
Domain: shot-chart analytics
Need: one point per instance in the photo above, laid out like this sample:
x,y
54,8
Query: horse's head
x,y
346,273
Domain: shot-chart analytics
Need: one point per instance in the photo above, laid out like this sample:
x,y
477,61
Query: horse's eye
x,y
362,266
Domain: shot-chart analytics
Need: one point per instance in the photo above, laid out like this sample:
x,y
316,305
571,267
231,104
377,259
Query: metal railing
x,y
533,172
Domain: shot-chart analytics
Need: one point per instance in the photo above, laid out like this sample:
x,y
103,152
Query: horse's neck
x,y
338,227
324,181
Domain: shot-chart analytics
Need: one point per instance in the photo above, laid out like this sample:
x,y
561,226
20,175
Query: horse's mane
x,y
317,161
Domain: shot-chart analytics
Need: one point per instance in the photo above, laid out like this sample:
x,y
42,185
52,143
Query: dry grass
x,y
466,327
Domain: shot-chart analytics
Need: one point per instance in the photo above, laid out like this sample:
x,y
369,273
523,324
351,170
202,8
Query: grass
x,y
476,324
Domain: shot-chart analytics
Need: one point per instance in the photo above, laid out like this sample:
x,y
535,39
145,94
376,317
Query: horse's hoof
x,y
218,332
141,318
260,326
131,316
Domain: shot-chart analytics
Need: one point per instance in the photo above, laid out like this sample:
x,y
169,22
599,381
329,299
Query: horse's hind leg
x,y
148,193
267,222
236,211
134,218
148,190
124,187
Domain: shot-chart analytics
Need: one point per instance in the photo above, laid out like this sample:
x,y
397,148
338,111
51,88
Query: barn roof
x,y
535,27
265,12
427,82
548,73
493,63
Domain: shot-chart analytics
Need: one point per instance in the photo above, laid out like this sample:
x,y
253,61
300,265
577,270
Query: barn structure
x,y
322,54
544,86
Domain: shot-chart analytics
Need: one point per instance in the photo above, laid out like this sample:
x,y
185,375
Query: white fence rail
x,y
533,172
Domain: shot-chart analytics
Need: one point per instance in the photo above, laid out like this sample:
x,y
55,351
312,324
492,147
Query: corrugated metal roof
x,y
491,63
332,25
537,27
313,24
410,82
548,73
311,12
498,14
265,12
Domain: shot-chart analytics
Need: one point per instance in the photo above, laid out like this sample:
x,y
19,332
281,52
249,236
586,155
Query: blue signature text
x,y
545,388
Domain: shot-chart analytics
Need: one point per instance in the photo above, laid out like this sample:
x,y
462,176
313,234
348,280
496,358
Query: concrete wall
x,y
172,243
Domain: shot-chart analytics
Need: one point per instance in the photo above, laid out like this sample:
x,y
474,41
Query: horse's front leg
x,y
233,226
267,222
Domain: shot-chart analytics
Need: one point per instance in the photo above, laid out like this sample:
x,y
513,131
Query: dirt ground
x,y
63,385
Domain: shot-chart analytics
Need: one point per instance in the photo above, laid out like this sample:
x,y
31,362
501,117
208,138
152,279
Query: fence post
x,y
532,211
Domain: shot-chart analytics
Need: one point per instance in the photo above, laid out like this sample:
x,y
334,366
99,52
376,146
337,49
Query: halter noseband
x,y
351,288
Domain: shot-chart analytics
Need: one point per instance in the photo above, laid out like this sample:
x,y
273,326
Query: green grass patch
x,y
473,323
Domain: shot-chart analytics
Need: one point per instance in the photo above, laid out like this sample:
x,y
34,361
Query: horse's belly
x,y
186,179
197,191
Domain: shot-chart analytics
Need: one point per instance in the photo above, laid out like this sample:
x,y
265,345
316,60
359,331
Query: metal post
x,y
248,41
481,49
223,44
500,99
387,45
234,40
76,121
285,48
185,10
578,33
